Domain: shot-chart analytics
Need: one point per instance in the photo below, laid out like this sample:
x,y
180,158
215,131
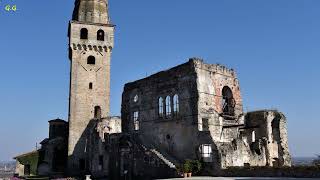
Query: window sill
x,y
168,119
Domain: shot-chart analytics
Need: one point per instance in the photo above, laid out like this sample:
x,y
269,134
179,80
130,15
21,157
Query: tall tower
x,y
90,45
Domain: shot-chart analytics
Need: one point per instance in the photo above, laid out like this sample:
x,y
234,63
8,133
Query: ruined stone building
x,y
191,111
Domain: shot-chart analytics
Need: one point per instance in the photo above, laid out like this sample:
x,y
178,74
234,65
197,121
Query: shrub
x,y
196,166
187,166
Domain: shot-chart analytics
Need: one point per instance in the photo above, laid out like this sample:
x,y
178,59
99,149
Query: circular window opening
x,y
136,98
168,136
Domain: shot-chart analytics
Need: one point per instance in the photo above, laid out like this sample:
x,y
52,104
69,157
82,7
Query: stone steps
x,y
169,163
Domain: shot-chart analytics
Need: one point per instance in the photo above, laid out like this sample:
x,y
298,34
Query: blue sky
x,y
273,45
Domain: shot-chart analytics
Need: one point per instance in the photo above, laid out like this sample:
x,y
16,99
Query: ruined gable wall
x,y
211,79
108,125
97,150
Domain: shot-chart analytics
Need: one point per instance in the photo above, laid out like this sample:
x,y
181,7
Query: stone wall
x,y
271,126
211,79
174,133
236,139
103,134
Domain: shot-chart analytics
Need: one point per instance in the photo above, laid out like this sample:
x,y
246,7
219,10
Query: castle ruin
x,y
191,111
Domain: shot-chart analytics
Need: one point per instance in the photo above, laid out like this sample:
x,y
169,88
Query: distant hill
x,y
303,160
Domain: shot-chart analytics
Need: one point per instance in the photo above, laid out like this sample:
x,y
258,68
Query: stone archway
x,y
228,102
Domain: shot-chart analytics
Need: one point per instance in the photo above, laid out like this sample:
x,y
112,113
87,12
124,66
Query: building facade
x,y
194,111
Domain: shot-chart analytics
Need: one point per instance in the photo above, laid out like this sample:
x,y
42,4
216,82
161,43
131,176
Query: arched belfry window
x,y
84,33
91,60
97,112
168,106
228,102
176,104
100,35
161,110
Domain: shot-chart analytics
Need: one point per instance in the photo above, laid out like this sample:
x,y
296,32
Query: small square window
x,y
205,124
136,125
206,152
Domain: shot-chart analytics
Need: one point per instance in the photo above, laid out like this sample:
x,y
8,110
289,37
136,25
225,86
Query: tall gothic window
x,y
168,106
84,33
136,120
176,104
101,163
100,35
253,136
161,110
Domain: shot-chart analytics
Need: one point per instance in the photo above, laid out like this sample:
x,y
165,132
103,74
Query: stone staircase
x,y
165,160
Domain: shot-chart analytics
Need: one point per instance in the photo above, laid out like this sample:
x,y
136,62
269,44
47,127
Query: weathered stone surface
x,y
236,139
91,11
89,84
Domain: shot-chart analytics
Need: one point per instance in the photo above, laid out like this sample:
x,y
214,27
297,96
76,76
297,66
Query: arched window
x,y
228,102
91,60
168,106
161,107
176,104
90,85
136,120
100,35
84,33
97,112
253,136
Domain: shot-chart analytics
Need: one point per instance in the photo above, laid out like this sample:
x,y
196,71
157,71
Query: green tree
x,y
316,162
196,166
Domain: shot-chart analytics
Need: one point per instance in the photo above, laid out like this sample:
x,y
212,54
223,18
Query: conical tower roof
x,y
91,11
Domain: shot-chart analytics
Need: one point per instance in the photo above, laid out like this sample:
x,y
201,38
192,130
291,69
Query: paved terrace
x,y
241,178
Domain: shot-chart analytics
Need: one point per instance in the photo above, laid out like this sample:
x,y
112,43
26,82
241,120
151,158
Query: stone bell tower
x,y
90,45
